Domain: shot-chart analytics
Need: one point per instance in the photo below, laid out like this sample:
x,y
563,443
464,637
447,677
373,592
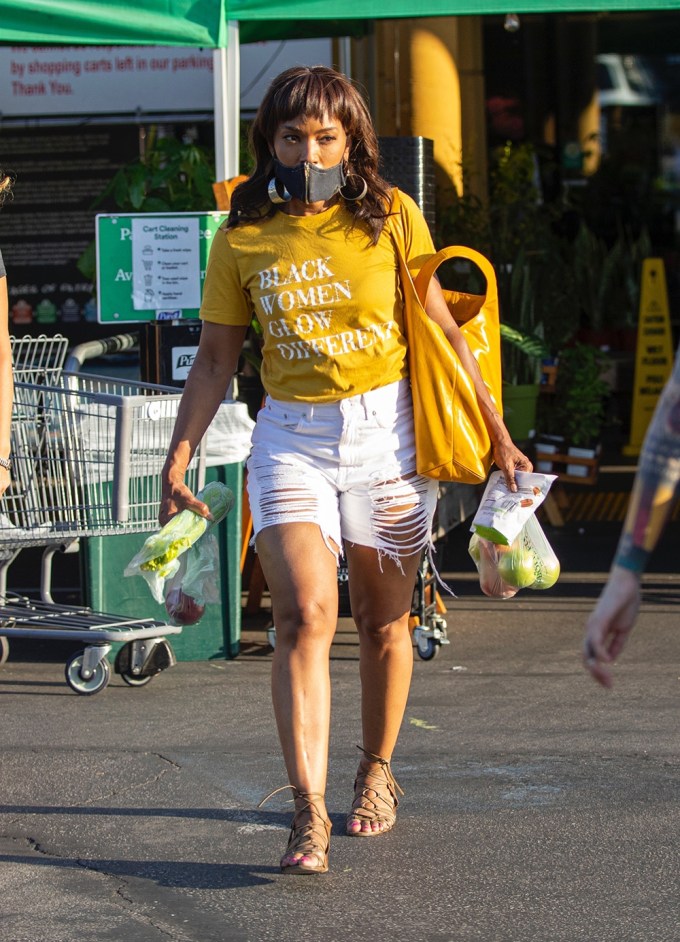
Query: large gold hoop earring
x,y
274,195
354,198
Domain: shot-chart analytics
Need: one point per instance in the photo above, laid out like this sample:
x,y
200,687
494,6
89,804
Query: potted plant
x,y
517,231
606,284
521,357
577,412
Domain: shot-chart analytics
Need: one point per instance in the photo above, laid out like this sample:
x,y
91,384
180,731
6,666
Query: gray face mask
x,y
308,183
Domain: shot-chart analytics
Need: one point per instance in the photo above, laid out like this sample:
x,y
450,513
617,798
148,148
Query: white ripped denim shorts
x,y
348,466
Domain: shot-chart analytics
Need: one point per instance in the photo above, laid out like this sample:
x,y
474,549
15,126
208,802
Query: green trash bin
x,y
218,633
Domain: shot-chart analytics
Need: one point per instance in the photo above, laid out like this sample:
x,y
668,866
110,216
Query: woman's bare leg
x,y
301,574
381,595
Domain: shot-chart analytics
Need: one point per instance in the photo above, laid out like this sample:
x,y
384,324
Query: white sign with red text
x,y
103,79
95,80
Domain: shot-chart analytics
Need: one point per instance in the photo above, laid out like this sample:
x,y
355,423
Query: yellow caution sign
x,y
654,352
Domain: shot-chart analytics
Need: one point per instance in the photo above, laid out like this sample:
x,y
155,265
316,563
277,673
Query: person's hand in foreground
x,y
610,623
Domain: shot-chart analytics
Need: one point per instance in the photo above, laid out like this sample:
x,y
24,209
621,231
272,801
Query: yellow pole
x,y
435,96
430,83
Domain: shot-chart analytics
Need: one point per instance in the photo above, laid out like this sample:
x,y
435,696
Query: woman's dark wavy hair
x,y
315,92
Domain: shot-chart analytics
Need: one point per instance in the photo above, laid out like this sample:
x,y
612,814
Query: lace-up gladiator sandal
x,y
310,838
375,798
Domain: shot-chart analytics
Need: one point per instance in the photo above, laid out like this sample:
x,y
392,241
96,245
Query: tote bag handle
x,y
422,280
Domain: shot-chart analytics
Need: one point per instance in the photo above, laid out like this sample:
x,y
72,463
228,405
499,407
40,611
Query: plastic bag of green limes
x,y
529,562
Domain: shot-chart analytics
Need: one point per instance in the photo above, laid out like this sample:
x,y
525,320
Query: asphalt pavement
x,y
538,807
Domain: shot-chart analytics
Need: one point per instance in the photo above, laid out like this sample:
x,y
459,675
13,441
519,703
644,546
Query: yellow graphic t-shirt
x,y
327,299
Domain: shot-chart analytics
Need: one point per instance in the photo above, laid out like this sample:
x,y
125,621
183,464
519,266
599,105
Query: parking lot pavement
x,y
538,807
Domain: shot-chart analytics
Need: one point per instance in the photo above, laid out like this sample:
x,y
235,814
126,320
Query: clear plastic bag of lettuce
x,y
158,561
529,562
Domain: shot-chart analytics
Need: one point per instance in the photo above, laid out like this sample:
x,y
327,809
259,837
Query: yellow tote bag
x,y
452,441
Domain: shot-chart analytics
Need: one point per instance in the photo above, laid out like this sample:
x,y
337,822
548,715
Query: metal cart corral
x,y
87,453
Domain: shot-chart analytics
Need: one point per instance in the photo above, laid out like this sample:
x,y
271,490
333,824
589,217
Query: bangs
x,y
311,94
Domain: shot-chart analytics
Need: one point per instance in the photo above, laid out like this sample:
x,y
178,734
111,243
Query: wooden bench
x,y
557,499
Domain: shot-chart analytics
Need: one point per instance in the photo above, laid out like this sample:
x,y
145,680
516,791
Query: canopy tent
x,y
204,23
223,25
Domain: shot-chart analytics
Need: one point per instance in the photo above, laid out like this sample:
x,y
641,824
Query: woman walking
x,y
308,249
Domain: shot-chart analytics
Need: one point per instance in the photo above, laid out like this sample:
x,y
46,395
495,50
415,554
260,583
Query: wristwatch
x,y
6,463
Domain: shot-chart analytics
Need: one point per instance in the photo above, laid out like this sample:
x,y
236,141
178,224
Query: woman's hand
x,y
611,622
508,459
176,496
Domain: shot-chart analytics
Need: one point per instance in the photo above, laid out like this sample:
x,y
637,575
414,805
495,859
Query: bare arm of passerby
x,y
205,388
651,502
611,622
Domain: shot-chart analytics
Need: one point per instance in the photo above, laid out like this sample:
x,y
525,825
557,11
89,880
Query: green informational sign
x,y
151,266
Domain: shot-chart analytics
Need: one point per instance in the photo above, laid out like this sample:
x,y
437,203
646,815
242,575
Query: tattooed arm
x,y
656,481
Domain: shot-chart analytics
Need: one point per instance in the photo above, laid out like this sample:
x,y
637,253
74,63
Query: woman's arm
x,y
206,387
6,384
506,454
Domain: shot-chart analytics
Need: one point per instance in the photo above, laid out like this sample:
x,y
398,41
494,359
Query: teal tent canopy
x,y
203,23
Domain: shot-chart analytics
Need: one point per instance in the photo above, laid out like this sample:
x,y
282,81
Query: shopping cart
x,y
87,453
38,359
427,623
